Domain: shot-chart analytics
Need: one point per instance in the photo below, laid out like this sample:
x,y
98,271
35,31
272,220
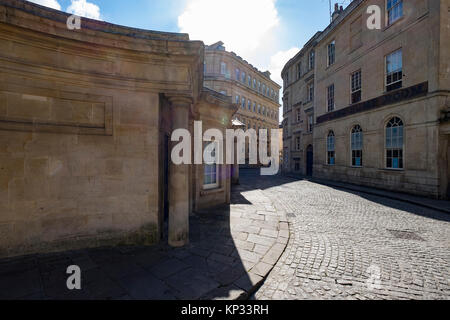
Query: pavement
x,y
435,204
356,244
281,238
232,250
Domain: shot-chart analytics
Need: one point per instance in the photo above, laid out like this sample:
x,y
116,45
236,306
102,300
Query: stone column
x,y
179,179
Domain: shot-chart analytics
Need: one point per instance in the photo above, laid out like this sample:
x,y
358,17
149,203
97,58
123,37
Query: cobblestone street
x,y
350,245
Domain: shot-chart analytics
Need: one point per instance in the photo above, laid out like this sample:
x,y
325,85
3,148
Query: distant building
x,y
252,90
298,110
381,99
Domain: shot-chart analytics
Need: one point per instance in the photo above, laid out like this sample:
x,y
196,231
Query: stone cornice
x,y
243,62
104,59
42,19
393,97
91,24
241,86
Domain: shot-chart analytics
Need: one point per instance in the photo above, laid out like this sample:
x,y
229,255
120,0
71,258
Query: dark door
x,y
309,160
166,185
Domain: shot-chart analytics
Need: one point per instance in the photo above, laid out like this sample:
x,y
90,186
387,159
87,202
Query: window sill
x,y
393,170
389,92
330,66
394,23
357,167
207,192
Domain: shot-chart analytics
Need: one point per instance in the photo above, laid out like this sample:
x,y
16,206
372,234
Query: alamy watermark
x,y
209,147
374,280
73,22
374,20
74,280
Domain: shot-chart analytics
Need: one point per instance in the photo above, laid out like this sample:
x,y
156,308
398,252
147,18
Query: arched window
x,y
357,146
394,144
331,148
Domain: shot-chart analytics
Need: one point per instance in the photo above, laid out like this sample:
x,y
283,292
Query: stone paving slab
x,y
232,250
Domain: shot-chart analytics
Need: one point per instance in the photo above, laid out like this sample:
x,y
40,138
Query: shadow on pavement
x,y
208,268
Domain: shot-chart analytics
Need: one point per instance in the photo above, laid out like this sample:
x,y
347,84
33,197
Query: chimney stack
x,y
337,11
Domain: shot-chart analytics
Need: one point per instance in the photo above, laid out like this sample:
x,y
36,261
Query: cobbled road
x,y
349,245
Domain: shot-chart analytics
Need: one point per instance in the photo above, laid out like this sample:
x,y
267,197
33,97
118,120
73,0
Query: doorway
x,y
165,233
309,160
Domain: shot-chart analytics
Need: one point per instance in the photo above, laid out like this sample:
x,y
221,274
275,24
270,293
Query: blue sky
x,y
267,33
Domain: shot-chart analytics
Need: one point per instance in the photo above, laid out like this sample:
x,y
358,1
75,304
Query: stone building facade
x,y
382,96
86,118
298,110
252,90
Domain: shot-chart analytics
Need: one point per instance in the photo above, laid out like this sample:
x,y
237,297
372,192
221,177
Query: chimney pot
x,y
341,8
336,7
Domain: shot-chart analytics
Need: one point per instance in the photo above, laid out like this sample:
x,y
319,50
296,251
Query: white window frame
x,y
355,85
310,124
311,59
299,70
310,92
216,184
299,116
331,147
331,97
356,144
331,53
223,68
402,148
398,70
396,9
298,144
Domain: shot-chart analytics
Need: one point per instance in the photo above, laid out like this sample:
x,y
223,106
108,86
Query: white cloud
x,y
48,3
83,8
243,25
251,28
278,61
